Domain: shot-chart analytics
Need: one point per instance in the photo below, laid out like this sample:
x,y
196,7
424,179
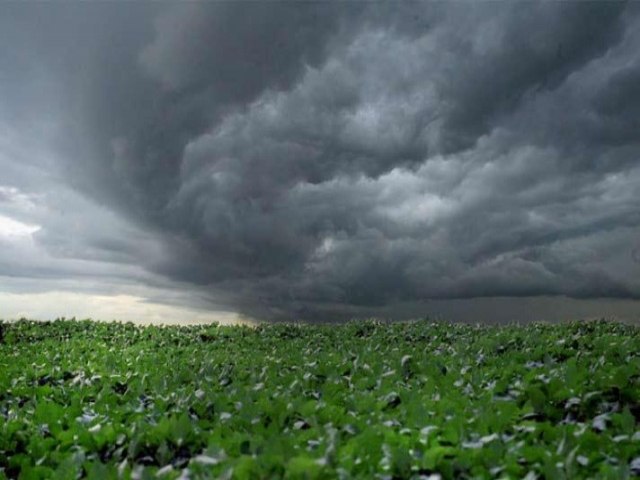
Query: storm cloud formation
x,y
314,159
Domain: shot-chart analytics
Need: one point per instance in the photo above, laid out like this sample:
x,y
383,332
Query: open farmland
x,y
361,400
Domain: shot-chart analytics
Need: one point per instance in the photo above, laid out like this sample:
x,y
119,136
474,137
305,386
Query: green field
x,y
361,400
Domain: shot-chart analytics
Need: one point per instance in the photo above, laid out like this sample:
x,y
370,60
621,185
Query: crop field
x,y
361,400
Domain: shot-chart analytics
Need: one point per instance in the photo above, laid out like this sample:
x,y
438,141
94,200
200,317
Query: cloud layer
x,y
320,159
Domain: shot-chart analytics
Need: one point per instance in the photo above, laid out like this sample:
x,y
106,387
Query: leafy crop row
x,y
361,400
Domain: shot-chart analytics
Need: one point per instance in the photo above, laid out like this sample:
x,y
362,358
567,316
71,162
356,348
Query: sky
x,y
320,161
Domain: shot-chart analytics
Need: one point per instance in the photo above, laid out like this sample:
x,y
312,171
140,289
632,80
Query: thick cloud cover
x,y
308,160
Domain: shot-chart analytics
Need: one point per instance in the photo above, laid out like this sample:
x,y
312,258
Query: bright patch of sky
x,y
10,228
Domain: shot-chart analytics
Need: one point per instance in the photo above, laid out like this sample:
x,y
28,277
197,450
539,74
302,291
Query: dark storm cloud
x,y
307,159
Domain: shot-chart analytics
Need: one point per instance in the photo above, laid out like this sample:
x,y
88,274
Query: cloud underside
x,y
315,159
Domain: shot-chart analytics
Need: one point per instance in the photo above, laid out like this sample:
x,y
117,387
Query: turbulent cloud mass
x,y
322,160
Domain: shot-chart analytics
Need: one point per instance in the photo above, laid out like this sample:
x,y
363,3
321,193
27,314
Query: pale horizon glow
x,y
125,308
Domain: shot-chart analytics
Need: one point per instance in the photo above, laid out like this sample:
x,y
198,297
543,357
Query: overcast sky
x,y
320,160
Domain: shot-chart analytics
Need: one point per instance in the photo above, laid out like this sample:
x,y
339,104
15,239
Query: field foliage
x,y
360,400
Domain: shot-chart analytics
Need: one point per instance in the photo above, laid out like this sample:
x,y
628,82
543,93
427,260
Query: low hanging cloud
x,y
315,160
